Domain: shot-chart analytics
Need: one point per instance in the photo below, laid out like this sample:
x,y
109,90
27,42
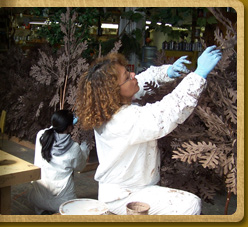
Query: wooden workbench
x,y
13,171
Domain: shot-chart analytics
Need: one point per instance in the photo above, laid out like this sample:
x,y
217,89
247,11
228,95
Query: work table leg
x,y
5,200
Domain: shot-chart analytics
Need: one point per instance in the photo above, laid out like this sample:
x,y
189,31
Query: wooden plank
x,y
14,170
22,142
21,206
90,167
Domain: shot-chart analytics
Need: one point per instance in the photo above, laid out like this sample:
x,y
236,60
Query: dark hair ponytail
x,y
60,122
46,141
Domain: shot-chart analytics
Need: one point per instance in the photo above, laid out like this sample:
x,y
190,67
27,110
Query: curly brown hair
x,y
98,93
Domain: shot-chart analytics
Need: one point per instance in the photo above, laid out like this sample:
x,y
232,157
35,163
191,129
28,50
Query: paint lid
x,y
83,207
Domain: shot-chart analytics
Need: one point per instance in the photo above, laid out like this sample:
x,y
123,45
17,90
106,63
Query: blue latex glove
x,y
207,61
178,66
75,120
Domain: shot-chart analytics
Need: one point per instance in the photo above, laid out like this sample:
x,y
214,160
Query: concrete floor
x,y
86,186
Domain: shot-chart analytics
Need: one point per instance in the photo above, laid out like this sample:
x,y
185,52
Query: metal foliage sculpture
x,y
201,154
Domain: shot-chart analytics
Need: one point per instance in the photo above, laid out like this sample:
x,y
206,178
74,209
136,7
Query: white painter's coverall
x,y
56,184
129,160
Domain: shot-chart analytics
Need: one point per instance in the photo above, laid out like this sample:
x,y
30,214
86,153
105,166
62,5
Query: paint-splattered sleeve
x,y
156,120
155,74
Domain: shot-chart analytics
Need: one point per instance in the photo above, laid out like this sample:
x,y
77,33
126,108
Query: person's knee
x,y
196,206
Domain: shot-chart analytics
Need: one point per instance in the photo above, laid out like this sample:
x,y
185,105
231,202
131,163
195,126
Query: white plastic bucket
x,y
83,207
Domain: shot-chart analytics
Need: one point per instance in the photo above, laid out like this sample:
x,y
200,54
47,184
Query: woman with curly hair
x,y
126,134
